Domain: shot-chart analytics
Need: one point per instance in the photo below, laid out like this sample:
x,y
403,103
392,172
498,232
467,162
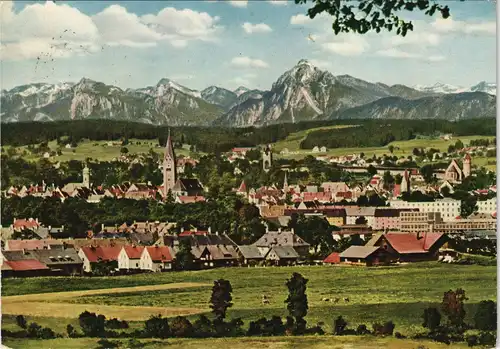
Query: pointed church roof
x,y
243,187
285,181
169,148
467,157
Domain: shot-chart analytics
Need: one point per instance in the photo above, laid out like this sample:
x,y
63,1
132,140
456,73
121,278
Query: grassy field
x,y
398,293
309,342
401,148
100,150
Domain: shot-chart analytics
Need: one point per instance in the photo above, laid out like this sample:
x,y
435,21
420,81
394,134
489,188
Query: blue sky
x,y
202,43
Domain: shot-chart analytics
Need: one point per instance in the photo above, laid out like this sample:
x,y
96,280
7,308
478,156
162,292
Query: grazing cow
x,y
336,300
325,299
265,300
346,300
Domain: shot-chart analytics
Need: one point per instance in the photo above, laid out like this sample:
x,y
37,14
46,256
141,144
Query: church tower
x,y
86,177
169,166
405,182
467,165
285,183
267,158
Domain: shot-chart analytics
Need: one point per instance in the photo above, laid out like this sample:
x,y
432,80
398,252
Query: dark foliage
x,y
21,321
339,326
157,327
297,301
453,307
116,324
432,318
485,318
181,327
92,325
386,329
221,298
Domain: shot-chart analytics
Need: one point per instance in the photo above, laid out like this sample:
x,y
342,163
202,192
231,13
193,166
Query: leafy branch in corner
x,y
372,15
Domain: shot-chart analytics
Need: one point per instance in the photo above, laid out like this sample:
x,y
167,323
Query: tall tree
x,y
297,300
221,298
184,257
453,307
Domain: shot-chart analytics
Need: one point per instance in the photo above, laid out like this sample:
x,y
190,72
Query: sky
x,y
134,44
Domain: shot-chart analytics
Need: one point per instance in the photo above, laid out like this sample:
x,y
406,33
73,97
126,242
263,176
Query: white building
x,y
130,257
488,206
156,258
448,208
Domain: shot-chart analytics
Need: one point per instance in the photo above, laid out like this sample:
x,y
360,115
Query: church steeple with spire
x,y
285,183
169,166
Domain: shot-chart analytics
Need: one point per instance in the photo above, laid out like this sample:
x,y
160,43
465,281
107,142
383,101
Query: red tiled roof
x,y
239,150
494,214
25,223
188,232
18,245
26,264
191,199
243,187
408,243
93,254
159,253
134,252
333,258
317,196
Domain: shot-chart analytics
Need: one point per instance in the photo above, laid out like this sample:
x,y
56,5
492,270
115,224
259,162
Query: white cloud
x,y
421,38
449,25
396,53
256,28
300,19
278,2
119,27
247,62
243,80
59,30
239,3
348,45
184,24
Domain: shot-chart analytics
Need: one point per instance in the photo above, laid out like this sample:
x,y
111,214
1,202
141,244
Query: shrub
x,y
181,327
339,325
471,340
116,324
362,330
383,330
157,327
202,327
432,318
70,330
487,339
234,327
315,330
21,321
485,318
36,331
92,325
399,335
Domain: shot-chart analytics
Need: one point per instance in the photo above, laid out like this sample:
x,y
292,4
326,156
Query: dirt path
x,y
47,305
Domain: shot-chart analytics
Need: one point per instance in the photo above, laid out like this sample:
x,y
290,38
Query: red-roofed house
x,y
92,255
21,224
24,267
129,257
156,258
333,258
408,247
318,196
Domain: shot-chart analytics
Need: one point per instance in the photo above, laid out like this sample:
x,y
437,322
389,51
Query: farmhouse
x,y
282,238
407,247
250,255
24,268
282,255
129,257
156,258
364,255
93,255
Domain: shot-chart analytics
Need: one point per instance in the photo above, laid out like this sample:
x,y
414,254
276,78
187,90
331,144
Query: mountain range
x,y
302,93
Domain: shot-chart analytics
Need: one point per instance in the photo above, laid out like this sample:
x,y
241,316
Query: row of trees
x,y
379,133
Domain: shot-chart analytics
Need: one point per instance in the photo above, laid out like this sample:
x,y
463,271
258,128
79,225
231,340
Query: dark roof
x,y
278,238
358,251
285,252
57,257
188,184
250,252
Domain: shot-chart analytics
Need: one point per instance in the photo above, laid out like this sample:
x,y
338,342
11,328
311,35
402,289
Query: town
x,y
394,217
